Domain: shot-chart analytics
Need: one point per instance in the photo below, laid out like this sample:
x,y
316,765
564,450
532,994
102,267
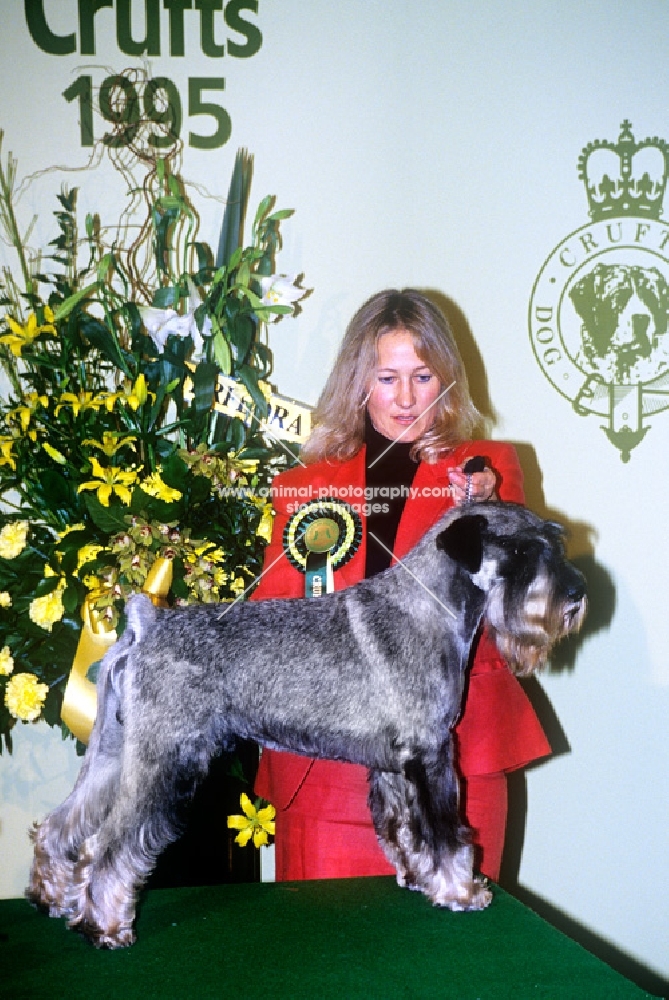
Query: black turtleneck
x,y
395,468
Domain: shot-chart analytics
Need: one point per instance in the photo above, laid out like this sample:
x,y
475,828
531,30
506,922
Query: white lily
x,y
160,323
279,290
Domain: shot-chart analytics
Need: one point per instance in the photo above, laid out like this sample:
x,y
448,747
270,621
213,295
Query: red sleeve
x,y
504,462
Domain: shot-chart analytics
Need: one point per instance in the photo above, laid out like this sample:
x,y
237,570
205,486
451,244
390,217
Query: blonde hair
x,y
339,417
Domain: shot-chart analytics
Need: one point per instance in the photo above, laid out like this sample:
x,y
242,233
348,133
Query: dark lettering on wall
x,y
225,29
176,10
237,23
214,16
87,11
41,33
151,41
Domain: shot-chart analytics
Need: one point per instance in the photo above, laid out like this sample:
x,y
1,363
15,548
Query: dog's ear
x,y
463,541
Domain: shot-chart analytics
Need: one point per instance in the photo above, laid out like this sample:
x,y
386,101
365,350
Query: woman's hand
x,y
483,485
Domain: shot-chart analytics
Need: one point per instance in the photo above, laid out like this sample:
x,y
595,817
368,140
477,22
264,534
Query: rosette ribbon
x,y
80,698
319,538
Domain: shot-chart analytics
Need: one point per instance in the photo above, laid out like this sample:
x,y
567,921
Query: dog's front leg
x,y
417,822
58,839
437,816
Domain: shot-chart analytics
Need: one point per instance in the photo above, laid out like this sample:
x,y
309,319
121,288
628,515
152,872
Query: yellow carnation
x,y
5,599
47,610
6,661
13,539
24,696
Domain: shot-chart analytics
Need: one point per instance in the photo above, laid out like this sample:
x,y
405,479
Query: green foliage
x,y
114,450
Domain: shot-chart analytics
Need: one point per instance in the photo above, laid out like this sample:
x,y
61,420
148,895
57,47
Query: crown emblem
x,y
625,178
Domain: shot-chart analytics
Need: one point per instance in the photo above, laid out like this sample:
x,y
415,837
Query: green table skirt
x,y
344,938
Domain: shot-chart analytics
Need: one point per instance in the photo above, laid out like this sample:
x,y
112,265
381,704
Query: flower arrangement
x,y
115,456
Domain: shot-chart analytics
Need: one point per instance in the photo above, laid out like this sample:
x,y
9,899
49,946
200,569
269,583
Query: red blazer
x,y
498,730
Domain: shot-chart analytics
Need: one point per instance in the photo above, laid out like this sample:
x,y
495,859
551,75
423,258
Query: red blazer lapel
x,y
348,482
430,498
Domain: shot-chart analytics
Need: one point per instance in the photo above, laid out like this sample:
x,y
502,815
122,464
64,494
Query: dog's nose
x,y
574,585
576,589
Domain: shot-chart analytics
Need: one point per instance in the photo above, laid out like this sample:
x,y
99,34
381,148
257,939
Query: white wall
x,y
436,145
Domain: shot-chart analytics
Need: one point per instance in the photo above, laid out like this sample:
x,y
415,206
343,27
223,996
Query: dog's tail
x,y
140,615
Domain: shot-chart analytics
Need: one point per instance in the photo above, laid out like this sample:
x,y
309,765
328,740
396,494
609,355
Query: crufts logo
x,y
599,307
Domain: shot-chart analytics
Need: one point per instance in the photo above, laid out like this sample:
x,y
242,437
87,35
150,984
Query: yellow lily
x,y
6,457
111,443
110,481
256,823
109,399
155,487
137,394
78,401
24,413
24,335
133,395
53,453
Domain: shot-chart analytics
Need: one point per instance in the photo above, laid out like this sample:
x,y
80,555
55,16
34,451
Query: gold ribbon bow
x,y
80,701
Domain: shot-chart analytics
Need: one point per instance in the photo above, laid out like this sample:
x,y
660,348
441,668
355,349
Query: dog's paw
x,y
110,938
120,939
406,881
472,896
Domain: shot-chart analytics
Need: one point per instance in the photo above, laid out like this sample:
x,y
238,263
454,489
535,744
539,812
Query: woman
x,y
395,412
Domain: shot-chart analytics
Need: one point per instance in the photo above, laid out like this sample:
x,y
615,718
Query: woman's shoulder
x,y
313,472
491,450
309,482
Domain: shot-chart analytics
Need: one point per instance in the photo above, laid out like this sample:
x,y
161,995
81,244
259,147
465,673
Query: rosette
x,y
319,538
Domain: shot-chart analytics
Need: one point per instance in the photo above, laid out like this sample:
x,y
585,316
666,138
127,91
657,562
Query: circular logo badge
x,y
598,323
322,535
598,313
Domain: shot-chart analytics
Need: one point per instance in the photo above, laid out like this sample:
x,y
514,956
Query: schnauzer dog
x,y
373,675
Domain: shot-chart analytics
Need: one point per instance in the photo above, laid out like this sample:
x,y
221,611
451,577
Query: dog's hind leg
x,y
157,779
59,837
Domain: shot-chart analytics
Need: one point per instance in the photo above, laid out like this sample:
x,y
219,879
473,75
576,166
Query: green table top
x,y
346,938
